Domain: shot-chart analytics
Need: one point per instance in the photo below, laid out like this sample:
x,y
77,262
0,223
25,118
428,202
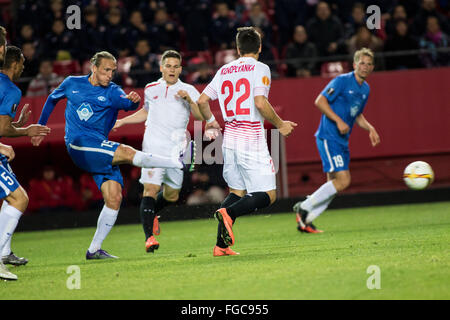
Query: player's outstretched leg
x,y
127,155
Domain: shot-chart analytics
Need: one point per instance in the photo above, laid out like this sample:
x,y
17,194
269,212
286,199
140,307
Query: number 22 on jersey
x,y
242,85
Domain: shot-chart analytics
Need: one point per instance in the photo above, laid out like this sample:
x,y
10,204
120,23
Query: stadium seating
x,y
333,69
66,67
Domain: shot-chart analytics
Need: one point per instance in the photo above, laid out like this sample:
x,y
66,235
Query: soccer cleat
x,y
151,244
187,158
99,254
218,252
5,274
301,216
14,260
156,228
227,226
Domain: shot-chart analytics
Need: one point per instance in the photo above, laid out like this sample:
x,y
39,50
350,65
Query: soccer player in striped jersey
x,y
342,103
242,88
93,102
167,106
15,198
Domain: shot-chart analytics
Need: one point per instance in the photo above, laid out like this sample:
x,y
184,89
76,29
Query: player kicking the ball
x,y
342,103
167,106
242,87
93,102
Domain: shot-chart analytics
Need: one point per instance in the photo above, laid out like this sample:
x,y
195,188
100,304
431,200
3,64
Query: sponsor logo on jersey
x,y
85,112
354,110
101,98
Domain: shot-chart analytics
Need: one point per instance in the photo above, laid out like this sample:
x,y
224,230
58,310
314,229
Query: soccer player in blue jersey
x,y
342,103
15,199
93,102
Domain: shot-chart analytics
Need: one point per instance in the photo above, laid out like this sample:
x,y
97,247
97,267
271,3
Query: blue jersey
x,y
90,110
10,96
347,98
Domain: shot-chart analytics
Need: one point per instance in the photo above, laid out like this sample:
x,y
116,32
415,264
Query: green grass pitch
x,y
409,243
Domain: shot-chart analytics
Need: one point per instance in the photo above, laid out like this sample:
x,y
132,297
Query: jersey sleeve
x,y
193,93
211,89
120,101
10,103
262,80
333,89
57,94
147,96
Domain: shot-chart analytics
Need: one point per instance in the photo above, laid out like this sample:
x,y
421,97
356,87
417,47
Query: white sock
x,y
9,218
317,210
7,247
148,160
325,192
105,223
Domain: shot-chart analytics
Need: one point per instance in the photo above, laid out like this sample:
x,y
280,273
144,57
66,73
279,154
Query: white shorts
x,y
171,177
247,170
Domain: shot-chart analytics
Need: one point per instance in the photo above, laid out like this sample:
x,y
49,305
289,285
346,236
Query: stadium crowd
x,y
298,35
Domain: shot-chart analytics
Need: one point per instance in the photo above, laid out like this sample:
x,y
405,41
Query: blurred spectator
x,y
59,40
398,13
288,14
49,193
195,17
401,40
92,35
267,54
203,75
27,34
258,18
433,39
420,20
148,9
164,32
325,30
364,39
45,82
145,66
52,10
116,34
357,19
31,65
203,191
138,29
223,27
300,48
91,196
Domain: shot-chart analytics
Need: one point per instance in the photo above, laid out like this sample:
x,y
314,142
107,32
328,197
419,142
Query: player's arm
x,y
266,110
121,100
192,104
324,107
137,117
7,151
373,135
8,130
24,116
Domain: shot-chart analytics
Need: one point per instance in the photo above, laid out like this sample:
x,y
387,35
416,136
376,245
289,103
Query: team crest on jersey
x,y
354,110
101,98
85,112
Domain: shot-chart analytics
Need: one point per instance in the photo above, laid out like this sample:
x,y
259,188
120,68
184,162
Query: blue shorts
x,y
335,156
8,181
95,155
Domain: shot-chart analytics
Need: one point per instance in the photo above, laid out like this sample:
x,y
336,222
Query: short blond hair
x,y
97,58
363,52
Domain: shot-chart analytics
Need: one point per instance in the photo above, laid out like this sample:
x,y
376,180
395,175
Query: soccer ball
x,y
418,175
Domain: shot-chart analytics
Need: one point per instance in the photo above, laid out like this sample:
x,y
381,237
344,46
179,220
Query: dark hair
x,y
248,40
170,54
13,54
2,36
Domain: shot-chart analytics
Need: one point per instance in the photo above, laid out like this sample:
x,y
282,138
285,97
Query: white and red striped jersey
x,y
236,85
168,117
